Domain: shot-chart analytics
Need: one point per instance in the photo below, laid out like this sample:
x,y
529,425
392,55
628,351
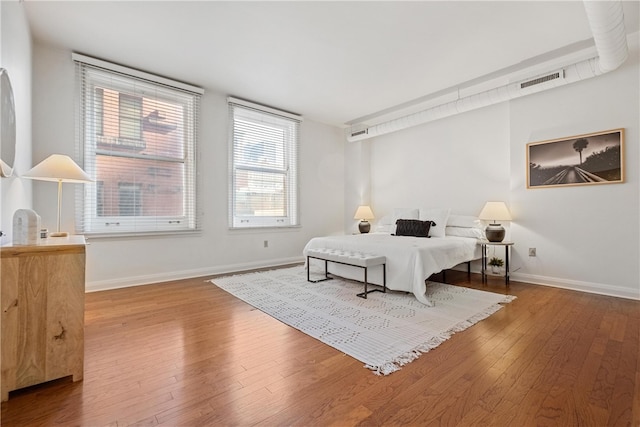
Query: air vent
x,y
360,132
543,79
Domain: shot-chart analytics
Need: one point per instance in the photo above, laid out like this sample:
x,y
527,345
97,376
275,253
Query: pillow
x,y
383,225
476,233
413,227
439,216
403,213
466,221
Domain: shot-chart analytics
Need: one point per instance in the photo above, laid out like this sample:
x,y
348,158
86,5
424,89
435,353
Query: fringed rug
x,y
384,331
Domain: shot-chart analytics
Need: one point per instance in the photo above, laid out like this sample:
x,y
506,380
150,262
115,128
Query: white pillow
x,y
439,216
383,225
403,213
473,232
385,220
467,221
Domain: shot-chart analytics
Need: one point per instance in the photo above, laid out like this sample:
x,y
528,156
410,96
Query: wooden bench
x,y
353,259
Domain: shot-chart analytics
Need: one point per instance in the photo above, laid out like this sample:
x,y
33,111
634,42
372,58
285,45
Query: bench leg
x,y
326,271
366,283
384,278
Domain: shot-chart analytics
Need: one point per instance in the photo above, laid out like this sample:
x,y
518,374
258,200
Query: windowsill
x,y
142,235
288,228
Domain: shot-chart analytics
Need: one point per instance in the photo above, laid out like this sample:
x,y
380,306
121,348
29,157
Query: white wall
x,y
459,162
126,261
358,179
587,238
15,57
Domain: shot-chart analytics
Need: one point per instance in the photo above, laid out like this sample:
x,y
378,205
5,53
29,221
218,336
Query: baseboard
x,y
148,279
576,285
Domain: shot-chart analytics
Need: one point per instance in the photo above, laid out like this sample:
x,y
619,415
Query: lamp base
x,y
58,234
364,227
494,232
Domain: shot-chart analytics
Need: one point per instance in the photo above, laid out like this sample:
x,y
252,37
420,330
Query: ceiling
x,y
333,62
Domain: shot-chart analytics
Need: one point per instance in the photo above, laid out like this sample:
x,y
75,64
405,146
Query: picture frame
x,y
587,159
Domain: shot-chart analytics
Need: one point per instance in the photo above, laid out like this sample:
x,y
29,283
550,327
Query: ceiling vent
x,y
360,132
543,79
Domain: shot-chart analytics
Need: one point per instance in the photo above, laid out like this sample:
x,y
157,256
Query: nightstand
x,y
507,248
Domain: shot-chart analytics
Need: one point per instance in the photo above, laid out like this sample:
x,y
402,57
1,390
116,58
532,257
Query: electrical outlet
x,y
532,251
266,243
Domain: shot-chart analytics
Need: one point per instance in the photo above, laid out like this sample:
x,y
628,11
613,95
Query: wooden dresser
x,y
42,302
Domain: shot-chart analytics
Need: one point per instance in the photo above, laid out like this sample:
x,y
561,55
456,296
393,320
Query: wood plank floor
x,y
186,353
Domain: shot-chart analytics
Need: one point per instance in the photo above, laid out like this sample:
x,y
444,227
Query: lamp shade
x,y
495,211
58,167
364,212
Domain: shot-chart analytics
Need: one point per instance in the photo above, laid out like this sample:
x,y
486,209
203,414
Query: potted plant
x,y
496,263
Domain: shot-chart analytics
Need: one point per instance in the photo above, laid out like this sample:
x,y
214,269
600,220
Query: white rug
x,y
384,331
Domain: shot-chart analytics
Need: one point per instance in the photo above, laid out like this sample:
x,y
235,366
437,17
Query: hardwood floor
x,y
186,353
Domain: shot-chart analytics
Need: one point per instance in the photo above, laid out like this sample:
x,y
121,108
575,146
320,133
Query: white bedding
x,y
410,260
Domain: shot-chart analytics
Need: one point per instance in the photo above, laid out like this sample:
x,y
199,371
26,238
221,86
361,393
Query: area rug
x,y
384,331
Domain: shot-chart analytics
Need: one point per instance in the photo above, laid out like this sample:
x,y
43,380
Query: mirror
x,y
7,125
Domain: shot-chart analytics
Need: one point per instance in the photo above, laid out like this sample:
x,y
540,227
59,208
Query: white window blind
x,y
263,166
136,135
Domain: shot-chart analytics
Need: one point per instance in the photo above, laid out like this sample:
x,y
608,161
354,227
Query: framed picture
x,y
595,158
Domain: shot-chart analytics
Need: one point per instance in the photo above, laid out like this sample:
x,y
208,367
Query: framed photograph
x,y
595,158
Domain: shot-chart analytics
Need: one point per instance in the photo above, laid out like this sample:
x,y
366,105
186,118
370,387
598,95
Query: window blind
x,y
263,166
137,139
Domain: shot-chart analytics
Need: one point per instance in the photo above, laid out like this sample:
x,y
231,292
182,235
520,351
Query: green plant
x,y
496,262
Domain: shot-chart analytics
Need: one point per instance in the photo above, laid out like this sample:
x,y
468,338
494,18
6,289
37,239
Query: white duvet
x,y
410,260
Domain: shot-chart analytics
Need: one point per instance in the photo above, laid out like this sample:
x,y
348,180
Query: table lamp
x,y
495,211
58,168
364,213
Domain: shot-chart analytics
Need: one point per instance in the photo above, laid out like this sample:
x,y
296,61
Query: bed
x,y
410,260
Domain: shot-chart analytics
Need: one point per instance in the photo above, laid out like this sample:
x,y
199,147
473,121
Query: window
x,y
263,166
137,136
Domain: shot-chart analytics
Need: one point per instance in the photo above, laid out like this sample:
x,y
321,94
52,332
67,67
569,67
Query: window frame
x,y
289,124
90,72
